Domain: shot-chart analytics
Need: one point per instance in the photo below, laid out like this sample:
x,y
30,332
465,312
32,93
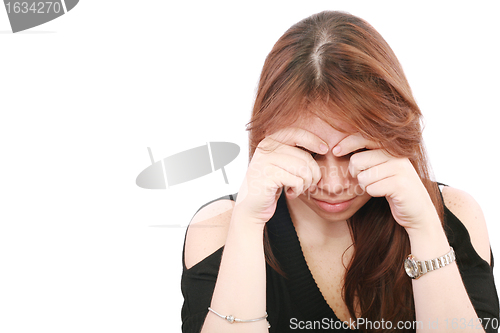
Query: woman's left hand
x,y
382,175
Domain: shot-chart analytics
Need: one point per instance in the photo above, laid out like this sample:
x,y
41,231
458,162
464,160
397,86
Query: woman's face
x,y
338,195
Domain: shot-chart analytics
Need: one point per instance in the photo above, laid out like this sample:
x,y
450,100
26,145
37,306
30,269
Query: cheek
x,y
363,198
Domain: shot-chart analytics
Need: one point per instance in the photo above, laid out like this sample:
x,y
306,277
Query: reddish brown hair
x,y
338,67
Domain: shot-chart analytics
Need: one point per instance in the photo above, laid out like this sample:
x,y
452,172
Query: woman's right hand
x,y
283,159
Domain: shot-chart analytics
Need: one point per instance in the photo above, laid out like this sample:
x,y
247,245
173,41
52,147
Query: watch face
x,y
411,267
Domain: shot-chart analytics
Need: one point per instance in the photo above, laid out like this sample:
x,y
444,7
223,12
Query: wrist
x,y
240,218
242,214
428,240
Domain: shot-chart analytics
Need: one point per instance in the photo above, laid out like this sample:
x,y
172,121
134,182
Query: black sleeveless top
x,y
295,303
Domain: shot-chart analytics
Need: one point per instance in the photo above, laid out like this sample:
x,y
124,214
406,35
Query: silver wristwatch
x,y
416,268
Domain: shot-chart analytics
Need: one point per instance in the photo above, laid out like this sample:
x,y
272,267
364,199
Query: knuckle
x,y
363,177
267,145
308,174
356,159
352,169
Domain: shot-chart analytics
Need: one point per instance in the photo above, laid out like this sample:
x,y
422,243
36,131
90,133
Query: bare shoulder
x,y
470,213
207,231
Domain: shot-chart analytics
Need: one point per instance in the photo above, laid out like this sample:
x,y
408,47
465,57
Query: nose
x,y
335,176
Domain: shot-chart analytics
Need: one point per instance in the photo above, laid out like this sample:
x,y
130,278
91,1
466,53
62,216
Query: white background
x,y
82,248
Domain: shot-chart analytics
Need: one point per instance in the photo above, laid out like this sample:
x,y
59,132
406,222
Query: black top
x,y
295,302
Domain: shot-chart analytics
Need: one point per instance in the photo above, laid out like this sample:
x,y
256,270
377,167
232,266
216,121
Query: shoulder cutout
x,y
207,231
470,214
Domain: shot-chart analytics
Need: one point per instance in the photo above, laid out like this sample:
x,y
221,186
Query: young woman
x,y
336,197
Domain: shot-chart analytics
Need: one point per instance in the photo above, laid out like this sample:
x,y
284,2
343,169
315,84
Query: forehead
x,y
325,131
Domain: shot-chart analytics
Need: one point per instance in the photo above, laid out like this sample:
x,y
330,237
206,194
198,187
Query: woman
x,y
336,197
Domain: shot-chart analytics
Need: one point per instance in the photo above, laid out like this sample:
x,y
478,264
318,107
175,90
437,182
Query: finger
x,y
293,136
352,143
375,180
280,178
372,178
367,159
301,144
308,170
381,188
373,175
306,156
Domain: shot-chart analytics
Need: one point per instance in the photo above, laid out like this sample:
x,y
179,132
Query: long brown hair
x,y
336,61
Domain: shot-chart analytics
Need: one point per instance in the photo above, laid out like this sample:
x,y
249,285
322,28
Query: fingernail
x,y
323,148
336,150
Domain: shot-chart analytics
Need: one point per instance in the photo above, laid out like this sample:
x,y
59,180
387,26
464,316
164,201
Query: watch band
x,y
416,268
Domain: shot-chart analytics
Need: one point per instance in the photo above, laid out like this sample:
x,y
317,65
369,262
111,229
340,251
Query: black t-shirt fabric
x,y
295,303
